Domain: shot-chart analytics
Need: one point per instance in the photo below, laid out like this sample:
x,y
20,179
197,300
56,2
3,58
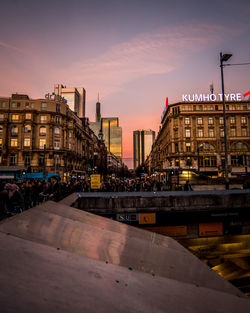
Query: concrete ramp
x,y
55,258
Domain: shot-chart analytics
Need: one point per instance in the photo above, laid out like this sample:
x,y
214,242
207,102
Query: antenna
x,y
212,88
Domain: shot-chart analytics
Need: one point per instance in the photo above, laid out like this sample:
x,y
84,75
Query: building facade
x,y
45,135
192,137
142,145
75,97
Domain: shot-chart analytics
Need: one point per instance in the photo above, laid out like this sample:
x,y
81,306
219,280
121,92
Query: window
x,y
27,128
232,120
28,116
42,143
176,133
18,104
243,120
1,129
200,107
188,147
58,108
13,104
194,107
239,146
14,130
3,104
210,107
15,117
187,133
13,159
221,132
176,122
211,132
26,142
32,105
210,120
27,159
233,132
42,131
13,142
221,121
200,132
44,106
56,144
57,131
43,118
243,131
199,120
57,119
1,141
1,117
27,105
41,160
187,120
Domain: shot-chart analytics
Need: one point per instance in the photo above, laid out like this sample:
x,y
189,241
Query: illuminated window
x,y
43,118
188,147
56,144
28,116
13,142
243,120
210,120
199,120
26,142
187,120
42,143
221,132
233,132
187,133
27,128
211,132
15,117
243,131
200,132
1,141
44,106
221,121
42,131
232,120
14,130
1,117
57,131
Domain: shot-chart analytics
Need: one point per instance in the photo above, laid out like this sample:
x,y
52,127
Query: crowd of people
x,y
17,196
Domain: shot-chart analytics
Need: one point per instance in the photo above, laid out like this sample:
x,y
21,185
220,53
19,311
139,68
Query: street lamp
x,y
224,58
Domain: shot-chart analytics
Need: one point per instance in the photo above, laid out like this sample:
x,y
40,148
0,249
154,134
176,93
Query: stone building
x,y
45,135
192,137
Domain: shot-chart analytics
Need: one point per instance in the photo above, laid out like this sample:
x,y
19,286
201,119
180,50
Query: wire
x,y
236,64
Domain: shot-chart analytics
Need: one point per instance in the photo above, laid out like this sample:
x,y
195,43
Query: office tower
x,y
142,142
75,97
112,135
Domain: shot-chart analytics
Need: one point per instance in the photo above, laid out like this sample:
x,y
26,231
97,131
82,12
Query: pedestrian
x,y
187,186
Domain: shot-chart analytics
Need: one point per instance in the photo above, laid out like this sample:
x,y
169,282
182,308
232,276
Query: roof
x,y
55,258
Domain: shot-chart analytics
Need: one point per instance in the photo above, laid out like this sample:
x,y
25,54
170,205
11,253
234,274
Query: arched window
x,y
27,128
42,131
206,147
56,130
239,146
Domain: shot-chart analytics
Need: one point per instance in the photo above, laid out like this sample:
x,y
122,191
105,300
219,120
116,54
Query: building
x,y
108,130
45,135
192,137
142,144
75,96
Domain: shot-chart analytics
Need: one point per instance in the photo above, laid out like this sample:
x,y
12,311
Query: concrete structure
x,y
192,137
142,144
44,134
75,96
55,258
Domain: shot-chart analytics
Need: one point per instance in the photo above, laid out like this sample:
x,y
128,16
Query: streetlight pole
x,y
224,58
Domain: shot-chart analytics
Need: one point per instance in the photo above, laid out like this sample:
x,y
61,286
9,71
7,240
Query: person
x,y
55,189
15,200
187,186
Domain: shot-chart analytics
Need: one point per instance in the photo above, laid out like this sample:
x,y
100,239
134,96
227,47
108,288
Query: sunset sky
x,y
133,53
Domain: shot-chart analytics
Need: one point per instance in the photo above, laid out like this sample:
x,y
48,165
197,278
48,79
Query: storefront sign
x,y
95,181
202,97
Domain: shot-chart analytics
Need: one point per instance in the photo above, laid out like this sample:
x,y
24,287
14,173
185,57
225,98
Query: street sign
x,y
95,181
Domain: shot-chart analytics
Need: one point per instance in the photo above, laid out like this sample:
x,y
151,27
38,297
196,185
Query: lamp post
x,y
224,58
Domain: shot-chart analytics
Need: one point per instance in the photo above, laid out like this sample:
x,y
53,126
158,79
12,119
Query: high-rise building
x,y
108,130
75,97
142,141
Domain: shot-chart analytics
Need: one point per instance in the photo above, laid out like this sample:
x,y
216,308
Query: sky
x,y
134,53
